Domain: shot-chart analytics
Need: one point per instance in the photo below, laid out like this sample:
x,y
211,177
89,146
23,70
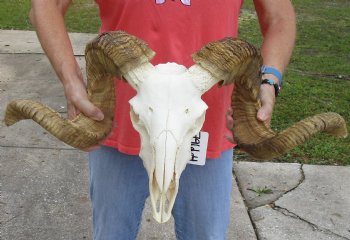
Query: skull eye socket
x,y
187,110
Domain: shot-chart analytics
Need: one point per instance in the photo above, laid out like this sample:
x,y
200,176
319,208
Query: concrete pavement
x,y
43,182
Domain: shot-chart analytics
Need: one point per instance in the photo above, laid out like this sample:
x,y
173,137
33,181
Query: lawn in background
x,y
82,16
317,79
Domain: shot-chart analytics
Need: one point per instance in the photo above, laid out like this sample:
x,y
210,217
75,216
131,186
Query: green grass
x,y
82,16
317,79
14,14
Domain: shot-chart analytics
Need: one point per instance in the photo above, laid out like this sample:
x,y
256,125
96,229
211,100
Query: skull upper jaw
x,y
164,167
163,202
165,164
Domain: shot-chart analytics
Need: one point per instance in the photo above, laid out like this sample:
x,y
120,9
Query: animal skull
x,y
167,112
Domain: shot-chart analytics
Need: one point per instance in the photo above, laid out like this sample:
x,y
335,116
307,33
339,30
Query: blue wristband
x,y
273,71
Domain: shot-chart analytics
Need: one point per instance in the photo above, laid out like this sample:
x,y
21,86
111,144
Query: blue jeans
x,y
119,188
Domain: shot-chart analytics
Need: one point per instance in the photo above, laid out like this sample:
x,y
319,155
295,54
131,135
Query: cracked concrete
x,y
278,177
322,199
274,225
286,212
316,206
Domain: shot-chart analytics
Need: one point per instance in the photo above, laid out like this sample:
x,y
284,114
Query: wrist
x,y
273,77
272,73
70,76
273,85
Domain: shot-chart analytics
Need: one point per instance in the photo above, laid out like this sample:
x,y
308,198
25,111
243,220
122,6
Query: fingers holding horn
x,y
235,61
110,54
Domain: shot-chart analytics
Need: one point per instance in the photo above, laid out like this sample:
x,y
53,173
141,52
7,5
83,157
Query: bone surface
x,y
167,112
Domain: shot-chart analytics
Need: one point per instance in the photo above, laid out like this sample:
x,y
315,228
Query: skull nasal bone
x,y
165,148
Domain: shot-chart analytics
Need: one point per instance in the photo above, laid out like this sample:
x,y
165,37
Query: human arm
x,y
47,18
278,27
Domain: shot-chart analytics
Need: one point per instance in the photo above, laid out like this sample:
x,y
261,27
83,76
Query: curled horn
x,y
108,55
235,61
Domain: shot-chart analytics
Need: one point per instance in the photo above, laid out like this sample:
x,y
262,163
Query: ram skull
x,y
168,111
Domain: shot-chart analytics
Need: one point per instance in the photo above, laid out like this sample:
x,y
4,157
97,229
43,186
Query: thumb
x,y
267,98
90,110
265,113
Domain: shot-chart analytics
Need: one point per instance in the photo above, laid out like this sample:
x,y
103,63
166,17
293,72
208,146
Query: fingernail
x,y
262,116
99,116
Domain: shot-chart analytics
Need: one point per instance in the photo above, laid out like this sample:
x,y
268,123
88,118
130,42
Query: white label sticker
x,y
199,145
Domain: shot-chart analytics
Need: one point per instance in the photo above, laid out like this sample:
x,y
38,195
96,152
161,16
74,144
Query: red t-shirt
x,y
174,29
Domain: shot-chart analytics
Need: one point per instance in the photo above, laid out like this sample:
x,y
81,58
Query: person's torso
x,y
174,29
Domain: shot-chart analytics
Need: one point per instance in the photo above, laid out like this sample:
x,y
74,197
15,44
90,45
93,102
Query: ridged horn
x,y
235,61
108,55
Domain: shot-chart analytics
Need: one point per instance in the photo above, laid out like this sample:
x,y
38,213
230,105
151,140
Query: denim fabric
x,y
119,188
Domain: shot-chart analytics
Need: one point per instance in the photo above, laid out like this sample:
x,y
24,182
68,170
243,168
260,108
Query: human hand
x,y
78,102
267,98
